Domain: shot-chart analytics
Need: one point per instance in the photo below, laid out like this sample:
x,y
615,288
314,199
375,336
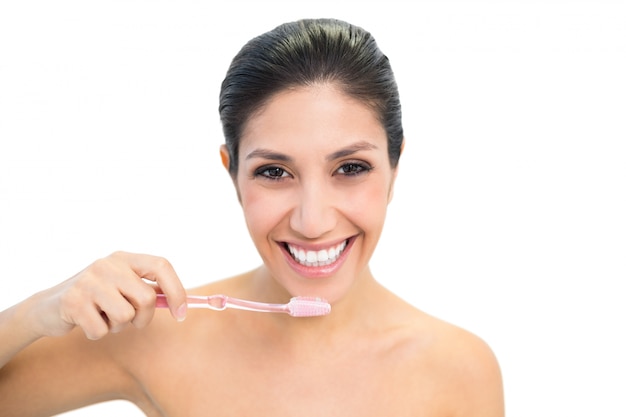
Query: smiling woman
x,y
313,130
325,171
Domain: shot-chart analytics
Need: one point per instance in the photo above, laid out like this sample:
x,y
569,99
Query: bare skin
x,y
377,356
314,176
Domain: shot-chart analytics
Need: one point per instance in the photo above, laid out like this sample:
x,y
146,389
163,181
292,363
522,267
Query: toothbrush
x,y
296,307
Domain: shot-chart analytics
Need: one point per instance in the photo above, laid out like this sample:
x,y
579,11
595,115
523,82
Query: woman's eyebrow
x,y
341,153
268,154
351,149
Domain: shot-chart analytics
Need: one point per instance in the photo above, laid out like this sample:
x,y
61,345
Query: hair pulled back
x,y
305,53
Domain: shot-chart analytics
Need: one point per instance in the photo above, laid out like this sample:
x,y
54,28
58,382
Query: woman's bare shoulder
x,y
461,361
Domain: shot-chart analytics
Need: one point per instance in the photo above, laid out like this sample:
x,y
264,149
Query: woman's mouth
x,y
316,258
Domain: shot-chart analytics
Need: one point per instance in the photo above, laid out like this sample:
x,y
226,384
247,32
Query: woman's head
x,y
306,53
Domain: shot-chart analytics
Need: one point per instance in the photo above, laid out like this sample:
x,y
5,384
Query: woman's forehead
x,y
309,117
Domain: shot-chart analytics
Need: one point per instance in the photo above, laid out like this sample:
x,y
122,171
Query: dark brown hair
x,y
307,52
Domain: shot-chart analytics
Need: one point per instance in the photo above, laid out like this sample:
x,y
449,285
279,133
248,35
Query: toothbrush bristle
x,y
308,307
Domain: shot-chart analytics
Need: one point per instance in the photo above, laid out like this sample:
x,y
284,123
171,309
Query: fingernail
x,y
181,312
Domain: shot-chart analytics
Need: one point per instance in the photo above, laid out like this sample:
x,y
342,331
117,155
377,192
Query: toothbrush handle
x,y
214,302
221,302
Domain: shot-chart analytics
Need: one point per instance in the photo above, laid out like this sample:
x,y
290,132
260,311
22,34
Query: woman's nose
x,y
315,212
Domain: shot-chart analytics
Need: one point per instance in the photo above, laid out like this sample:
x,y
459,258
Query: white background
x,y
508,217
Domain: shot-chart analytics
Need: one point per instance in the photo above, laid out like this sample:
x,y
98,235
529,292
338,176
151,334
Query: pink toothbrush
x,y
296,307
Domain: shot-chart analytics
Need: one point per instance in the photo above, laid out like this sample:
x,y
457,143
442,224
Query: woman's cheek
x,y
369,204
263,209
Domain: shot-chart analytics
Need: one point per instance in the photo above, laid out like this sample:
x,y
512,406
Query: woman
x,y
312,123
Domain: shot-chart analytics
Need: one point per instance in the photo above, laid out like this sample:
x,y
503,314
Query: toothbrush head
x,y
307,307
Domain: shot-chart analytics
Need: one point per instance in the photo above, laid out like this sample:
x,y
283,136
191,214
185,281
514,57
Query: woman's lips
x,y
317,263
316,257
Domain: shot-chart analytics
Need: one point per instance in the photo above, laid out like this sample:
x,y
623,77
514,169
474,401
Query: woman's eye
x,y
273,173
353,168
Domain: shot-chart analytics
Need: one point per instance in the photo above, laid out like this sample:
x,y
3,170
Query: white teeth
x,y
317,258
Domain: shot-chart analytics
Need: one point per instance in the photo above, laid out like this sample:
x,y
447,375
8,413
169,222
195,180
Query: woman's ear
x,y
393,183
395,174
225,157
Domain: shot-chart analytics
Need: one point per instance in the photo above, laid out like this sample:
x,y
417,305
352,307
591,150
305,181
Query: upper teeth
x,y
317,258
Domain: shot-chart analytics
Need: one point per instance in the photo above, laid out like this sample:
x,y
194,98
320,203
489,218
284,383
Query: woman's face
x,y
314,182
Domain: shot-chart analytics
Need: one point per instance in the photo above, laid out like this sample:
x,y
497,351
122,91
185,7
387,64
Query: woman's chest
x,y
224,382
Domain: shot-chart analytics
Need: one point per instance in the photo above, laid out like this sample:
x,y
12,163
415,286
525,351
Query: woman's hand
x,y
108,295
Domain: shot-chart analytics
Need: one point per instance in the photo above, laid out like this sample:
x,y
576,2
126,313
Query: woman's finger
x,y
117,310
143,299
91,321
160,271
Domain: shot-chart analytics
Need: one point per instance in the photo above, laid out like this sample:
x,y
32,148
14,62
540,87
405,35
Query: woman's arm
x,y
52,357
58,374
